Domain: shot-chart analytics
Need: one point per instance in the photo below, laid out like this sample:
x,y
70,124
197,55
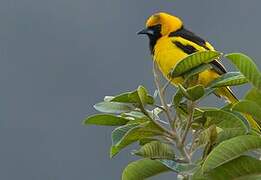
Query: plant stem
x,y
155,122
183,150
166,86
158,106
176,137
161,95
189,120
195,135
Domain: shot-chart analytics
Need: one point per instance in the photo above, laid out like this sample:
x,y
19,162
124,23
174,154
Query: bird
x,y
170,42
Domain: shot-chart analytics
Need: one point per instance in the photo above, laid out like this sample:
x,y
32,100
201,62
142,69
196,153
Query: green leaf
x,y
126,135
241,168
138,96
144,141
196,92
196,71
144,96
228,108
229,79
225,120
143,169
141,96
206,137
156,150
113,107
193,61
105,120
249,107
183,91
254,95
178,167
134,114
177,98
108,98
230,124
247,67
124,98
118,133
192,93
229,150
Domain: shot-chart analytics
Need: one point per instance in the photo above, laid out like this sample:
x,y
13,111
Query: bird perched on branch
x,y
170,42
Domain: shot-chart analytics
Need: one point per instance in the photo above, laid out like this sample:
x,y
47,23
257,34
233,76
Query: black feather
x,y
186,34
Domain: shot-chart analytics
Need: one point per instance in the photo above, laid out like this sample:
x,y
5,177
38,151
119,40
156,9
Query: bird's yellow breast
x,y
167,55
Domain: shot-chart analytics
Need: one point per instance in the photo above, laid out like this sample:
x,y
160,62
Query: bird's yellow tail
x,y
229,95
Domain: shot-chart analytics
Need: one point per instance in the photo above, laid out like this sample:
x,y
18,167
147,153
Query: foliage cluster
x,y
181,136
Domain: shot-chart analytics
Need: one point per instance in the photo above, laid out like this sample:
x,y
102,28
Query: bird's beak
x,y
146,31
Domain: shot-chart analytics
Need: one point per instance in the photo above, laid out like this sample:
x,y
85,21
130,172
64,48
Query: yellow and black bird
x,y
170,42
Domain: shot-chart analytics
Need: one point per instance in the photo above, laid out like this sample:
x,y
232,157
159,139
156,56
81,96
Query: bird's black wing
x,y
186,34
190,36
218,67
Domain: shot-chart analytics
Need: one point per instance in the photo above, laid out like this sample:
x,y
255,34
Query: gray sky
x,y
59,57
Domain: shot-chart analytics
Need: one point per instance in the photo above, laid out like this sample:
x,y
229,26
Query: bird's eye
x,y
150,31
155,29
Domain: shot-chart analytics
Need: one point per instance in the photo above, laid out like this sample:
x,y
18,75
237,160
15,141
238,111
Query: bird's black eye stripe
x,y
156,28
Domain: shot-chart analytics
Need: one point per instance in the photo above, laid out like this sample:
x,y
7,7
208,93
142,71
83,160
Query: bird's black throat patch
x,y
155,36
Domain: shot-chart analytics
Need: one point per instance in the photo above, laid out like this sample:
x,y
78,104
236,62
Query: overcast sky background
x,y
59,57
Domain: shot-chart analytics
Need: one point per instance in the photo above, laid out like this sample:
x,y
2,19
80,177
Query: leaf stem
x,y
191,105
166,86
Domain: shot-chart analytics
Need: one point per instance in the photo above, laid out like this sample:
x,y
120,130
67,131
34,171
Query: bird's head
x,y
161,24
